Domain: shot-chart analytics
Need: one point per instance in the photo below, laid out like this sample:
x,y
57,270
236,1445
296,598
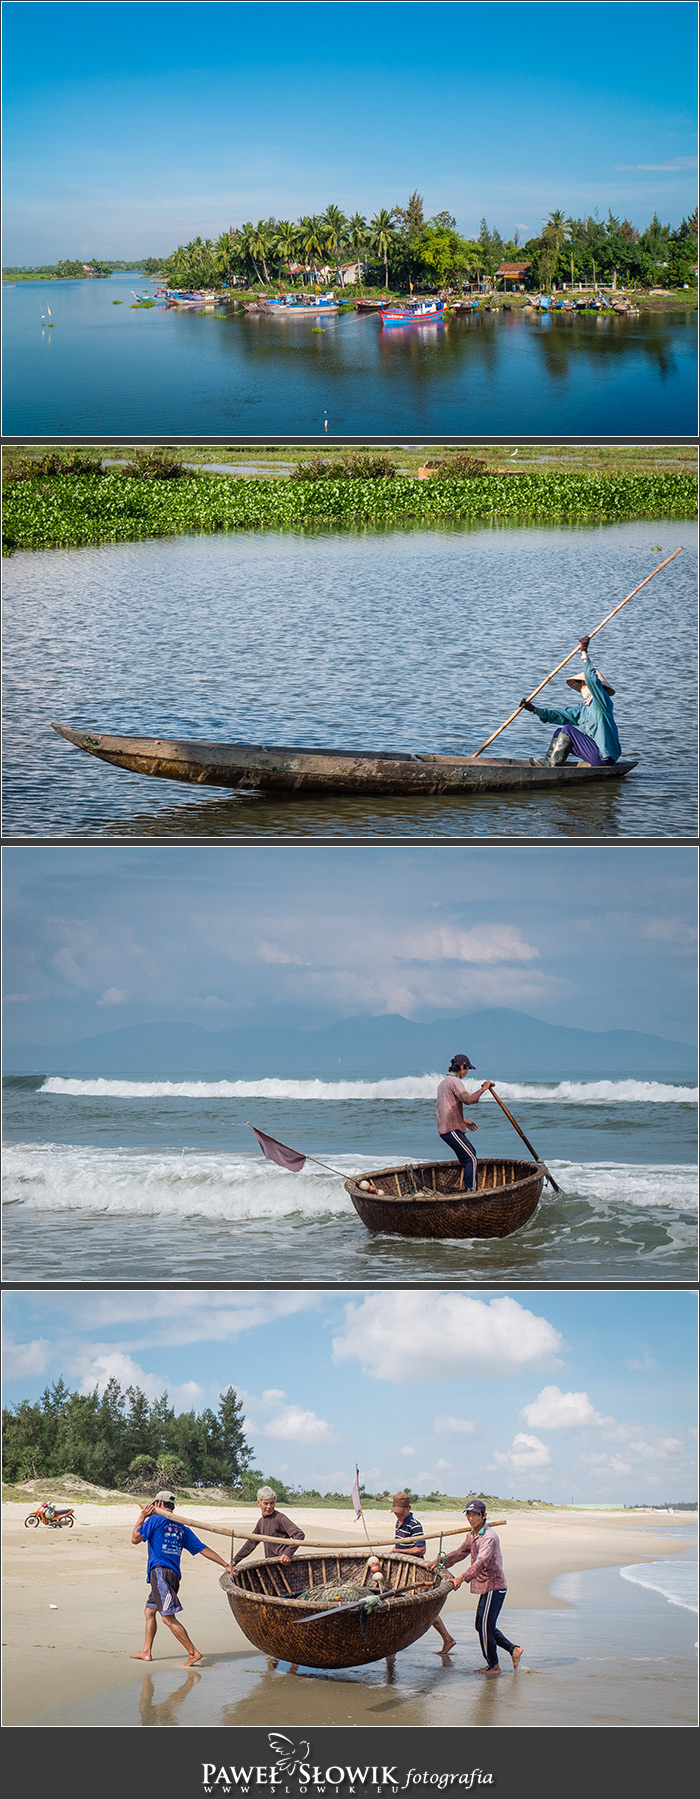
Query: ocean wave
x,y
70,1178
406,1087
677,1581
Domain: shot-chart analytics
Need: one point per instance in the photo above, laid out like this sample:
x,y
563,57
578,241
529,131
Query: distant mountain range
x,y
499,1042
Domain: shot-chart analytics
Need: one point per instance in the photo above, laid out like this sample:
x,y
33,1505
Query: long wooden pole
x,y
555,671
225,1530
526,1141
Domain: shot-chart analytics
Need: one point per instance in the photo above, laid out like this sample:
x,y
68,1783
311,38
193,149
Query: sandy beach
x,y
599,1650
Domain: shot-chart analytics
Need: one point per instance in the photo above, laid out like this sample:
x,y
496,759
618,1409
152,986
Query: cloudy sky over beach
x,y
572,1396
96,939
125,142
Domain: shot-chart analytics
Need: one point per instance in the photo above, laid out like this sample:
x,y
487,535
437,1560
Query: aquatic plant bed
x,y
69,512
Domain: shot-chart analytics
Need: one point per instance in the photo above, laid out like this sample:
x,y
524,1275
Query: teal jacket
x,y
596,720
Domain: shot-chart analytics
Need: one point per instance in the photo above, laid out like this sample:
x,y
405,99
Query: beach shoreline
x,y
73,1601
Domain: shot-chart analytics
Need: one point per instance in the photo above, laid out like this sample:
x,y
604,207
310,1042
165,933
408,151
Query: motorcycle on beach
x,y
53,1515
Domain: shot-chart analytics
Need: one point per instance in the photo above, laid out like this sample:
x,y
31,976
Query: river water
x,y
411,640
99,370
119,1180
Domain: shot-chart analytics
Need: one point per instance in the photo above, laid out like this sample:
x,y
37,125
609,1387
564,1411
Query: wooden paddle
x,y
555,671
528,1145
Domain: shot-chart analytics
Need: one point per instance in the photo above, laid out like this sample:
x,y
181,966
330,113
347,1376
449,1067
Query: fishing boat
x,y
427,1199
420,312
275,769
267,1604
295,306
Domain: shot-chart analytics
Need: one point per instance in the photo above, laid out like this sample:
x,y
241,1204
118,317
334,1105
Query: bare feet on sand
x,y
487,1670
196,1656
140,1655
516,1653
449,1643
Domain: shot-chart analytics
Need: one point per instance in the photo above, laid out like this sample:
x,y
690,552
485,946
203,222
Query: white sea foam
x,y
407,1087
676,1580
59,1177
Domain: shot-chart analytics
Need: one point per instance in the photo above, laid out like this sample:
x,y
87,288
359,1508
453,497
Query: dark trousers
x,y
490,1638
465,1152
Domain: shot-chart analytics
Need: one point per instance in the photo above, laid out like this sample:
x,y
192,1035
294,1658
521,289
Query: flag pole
x,y
362,1515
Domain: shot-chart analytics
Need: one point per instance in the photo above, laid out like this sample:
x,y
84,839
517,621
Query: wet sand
x,y
599,1651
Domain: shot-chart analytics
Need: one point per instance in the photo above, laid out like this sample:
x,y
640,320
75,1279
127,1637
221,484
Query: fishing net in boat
x,y
345,1591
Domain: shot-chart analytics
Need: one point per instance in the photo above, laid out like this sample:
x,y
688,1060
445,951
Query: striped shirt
x,y
409,1535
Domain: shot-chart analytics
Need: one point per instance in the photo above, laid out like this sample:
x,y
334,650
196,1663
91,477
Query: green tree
x,y
382,238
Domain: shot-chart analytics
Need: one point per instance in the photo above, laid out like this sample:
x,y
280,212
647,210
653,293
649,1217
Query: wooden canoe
x,y
276,769
263,1600
427,1200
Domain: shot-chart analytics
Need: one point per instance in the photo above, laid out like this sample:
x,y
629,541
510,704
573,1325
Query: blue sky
x,y
98,938
129,128
560,1396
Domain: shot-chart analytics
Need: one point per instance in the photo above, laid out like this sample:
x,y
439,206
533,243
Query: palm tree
x,y
335,226
263,237
249,244
285,241
382,234
311,240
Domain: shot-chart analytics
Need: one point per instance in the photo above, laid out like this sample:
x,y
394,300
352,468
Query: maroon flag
x,y
279,1152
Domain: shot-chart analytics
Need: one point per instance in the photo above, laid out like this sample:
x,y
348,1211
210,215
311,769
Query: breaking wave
x,y
75,1178
677,1581
406,1087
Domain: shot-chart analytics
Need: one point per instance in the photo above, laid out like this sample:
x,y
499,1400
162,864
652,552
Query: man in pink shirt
x,y
451,1099
485,1577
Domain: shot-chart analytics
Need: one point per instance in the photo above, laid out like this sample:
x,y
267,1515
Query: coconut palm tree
x,y
335,226
285,242
382,234
249,239
311,240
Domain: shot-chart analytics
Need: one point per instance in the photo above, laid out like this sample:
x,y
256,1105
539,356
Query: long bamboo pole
x,y
555,671
526,1141
225,1530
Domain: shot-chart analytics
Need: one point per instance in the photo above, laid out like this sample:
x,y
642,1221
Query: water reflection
x,y
115,371
163,1713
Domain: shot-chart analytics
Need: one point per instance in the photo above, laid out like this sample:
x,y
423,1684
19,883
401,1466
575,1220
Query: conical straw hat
x,y
580,681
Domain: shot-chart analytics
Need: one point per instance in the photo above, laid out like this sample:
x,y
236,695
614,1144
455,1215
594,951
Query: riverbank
x,y
73,1613
69,512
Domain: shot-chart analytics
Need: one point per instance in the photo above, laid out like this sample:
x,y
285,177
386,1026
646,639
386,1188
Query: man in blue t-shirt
x,y
411,1541
165,1540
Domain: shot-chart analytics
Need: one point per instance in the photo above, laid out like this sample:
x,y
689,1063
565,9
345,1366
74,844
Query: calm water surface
x,y
404,640
104,369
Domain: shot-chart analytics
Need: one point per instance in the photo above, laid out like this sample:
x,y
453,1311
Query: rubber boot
x,y
559,748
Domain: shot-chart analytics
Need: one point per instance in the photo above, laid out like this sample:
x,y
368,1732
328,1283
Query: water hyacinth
x,y
69,513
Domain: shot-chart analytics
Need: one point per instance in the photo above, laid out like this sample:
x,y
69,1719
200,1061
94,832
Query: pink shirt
x,y
486,1573
451,1098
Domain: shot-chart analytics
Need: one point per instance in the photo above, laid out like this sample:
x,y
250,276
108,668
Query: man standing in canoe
x,y
485,1577
588,730
271,1523
165,1541
411,1541
452,1096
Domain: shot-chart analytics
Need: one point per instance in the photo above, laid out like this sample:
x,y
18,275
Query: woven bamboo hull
x,y
274,1620
427,1201
274,769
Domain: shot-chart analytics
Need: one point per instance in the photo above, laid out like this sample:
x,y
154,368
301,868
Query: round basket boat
x,y
265,1602
428,1200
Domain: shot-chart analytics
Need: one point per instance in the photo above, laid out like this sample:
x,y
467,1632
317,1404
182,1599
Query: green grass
x,y
68,512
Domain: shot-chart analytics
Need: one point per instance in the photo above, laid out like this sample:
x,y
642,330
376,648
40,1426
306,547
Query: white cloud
x,y
525,1452
407,1450
22,1359
554,1410
114,996
274,953
446,1425
294,1425
676,166
443,1467
445,943
644,1364
444,1336
272,1394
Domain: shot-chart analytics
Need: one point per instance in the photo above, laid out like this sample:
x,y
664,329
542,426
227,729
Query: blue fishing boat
x,y
419,312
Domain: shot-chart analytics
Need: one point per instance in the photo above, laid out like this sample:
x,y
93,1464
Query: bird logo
x,y
289,1756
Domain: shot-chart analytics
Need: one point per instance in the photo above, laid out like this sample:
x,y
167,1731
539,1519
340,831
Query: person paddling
x,y
452,1096
589,730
